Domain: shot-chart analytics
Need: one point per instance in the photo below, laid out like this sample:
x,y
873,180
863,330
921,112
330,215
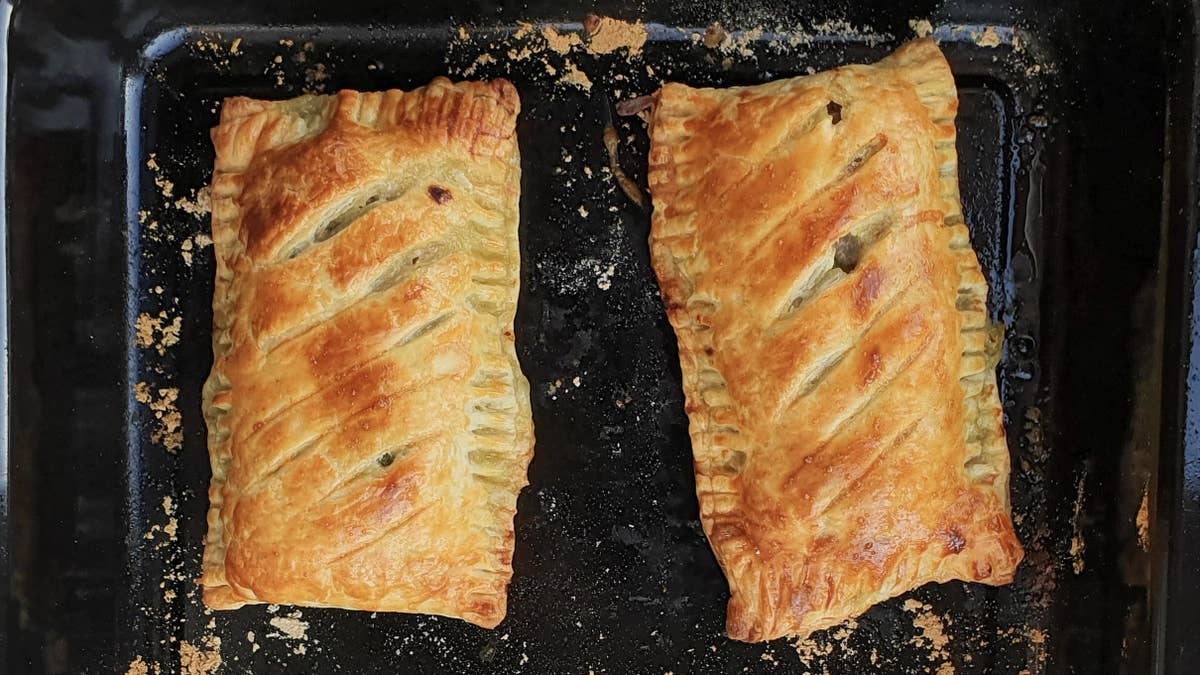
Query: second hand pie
x,y
837,359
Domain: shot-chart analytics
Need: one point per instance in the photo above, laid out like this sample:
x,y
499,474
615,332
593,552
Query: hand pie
x,y
369,425
833,335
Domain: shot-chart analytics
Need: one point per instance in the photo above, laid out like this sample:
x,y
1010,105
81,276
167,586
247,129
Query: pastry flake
x,y
369,424
837,358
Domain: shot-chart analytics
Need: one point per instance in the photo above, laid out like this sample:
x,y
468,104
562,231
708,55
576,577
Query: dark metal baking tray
x,y
1078,163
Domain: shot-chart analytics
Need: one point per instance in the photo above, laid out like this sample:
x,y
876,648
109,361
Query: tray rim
x,y
1175,586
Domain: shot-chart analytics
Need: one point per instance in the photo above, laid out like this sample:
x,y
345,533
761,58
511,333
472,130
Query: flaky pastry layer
x,y
369,424
837,359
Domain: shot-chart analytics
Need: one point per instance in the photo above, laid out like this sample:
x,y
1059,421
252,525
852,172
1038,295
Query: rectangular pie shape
x,y
368,422
837,358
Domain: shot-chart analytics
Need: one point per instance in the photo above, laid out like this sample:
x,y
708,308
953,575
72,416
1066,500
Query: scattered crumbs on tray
x,y
139,666
481,60
315,77
607,35
166,187
732,43
1034,639
988,37
933,634
159,332
214,46
811,648
170,529
561,43
604,280
575,77
1143,521
204,659
200,203
823,643
290,627
169,430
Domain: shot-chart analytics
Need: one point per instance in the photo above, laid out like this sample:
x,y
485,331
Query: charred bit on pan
x,y
835,111
637,106
440,194
612,143
386,459
591,24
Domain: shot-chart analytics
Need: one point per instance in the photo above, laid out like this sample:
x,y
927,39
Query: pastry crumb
x,y
289,627
607,35
989,38
157,332
139,667
1143,522
921,27
561,43
933,634
169,430
205,660
604,281
166,187
200,203
575,77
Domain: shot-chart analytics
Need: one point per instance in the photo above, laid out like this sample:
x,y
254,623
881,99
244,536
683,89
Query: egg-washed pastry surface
x,y
837,358
369,424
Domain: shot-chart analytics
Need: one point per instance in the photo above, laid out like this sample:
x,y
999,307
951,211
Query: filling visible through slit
x,y
402,267
841,260
846,253
860,158
350,212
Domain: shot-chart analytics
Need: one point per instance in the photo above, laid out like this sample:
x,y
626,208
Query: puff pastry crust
x,y
369,424
836,353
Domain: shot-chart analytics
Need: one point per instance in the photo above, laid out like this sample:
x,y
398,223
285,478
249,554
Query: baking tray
x,y
1071,191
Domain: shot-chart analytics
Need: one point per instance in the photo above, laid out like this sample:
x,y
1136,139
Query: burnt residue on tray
x,y
612,571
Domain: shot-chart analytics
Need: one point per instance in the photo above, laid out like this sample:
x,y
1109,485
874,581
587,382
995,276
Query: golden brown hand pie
x,y
833,335
369,425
